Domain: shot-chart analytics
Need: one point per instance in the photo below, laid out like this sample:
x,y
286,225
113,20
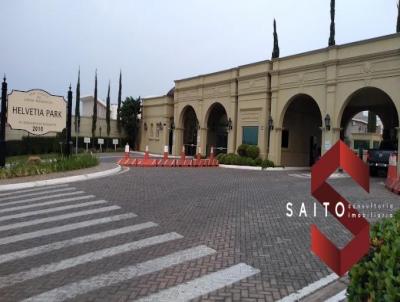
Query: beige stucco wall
x,y
157,110
251,93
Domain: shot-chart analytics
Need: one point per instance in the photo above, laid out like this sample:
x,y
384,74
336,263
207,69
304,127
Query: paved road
x,y
215,234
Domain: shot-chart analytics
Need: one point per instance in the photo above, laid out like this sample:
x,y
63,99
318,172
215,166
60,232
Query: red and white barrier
x,y
393,179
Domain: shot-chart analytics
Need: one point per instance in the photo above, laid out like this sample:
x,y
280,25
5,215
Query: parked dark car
x,y
378,159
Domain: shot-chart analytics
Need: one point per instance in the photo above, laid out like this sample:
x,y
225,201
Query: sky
x,y
154,42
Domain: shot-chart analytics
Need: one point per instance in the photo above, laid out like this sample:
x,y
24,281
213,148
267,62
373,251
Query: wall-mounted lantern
x,y
172,125
197,124
159,126
145,126
327,122
229,125
270,123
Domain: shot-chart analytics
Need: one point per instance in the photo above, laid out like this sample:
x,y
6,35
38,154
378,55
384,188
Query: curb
x,y
158,155
61,180
250,168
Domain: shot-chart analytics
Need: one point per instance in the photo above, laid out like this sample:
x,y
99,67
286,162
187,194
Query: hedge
x,y
44,145
234,159
377,276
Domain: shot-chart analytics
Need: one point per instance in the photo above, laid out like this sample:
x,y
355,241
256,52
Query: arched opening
x,y
190,129
301,133
217,129
380,117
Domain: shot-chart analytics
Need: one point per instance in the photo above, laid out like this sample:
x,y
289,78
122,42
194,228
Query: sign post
x,y
100,141
3,147
115,143
86,140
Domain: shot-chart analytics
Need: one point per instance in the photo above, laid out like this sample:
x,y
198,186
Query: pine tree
x,y
332,31
77,104
119,103
108,112
94,117
398,17
275,52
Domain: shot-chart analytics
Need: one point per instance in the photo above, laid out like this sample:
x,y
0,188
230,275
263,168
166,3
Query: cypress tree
x,y
119,103
332,31
94,117
398,17
77,103
275,52
108,112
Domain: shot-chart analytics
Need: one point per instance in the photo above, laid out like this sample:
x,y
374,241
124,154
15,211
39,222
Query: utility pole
x,y
68,142
3,146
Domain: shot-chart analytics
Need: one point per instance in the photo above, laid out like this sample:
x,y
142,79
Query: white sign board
x,y
115,141
36,111
100,141
86,140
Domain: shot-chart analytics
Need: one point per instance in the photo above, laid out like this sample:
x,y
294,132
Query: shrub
x,y
220,157
377,276
258,161
231,159
56,164
252,151
266,163
242,150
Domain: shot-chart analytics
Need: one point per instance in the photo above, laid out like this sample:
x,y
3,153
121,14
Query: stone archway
x,y
374,100
301,132
190,125
217,129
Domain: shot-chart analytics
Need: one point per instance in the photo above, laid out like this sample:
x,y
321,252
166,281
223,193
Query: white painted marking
x,y
74,241
40,198
47,203
56,218
64,228
305,291
32,190
338,297
51,210
46,269
203,285
47,192
72,290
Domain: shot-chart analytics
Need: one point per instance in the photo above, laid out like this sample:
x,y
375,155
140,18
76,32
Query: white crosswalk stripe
x,y
84,286
31,203
85,258
64,228
47,203
203,285
51,210
56,218
32,190
74,241
40,198
14,196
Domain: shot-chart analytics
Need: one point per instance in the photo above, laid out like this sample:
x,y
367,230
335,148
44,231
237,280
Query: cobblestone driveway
x,y
162,231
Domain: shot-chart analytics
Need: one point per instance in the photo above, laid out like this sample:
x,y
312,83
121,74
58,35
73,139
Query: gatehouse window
x,y
250,135
285,138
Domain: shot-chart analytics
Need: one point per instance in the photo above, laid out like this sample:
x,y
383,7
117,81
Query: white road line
x,y
51,210
305,291
46,269
203,285
40,198
32,190
64,228
74,241
72,290
56,218
47,203
47,192
338,297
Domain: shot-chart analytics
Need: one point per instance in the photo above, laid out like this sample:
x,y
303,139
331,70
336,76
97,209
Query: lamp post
x,y
68,142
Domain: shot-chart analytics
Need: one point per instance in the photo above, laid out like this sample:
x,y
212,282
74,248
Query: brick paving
x,y
239,216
